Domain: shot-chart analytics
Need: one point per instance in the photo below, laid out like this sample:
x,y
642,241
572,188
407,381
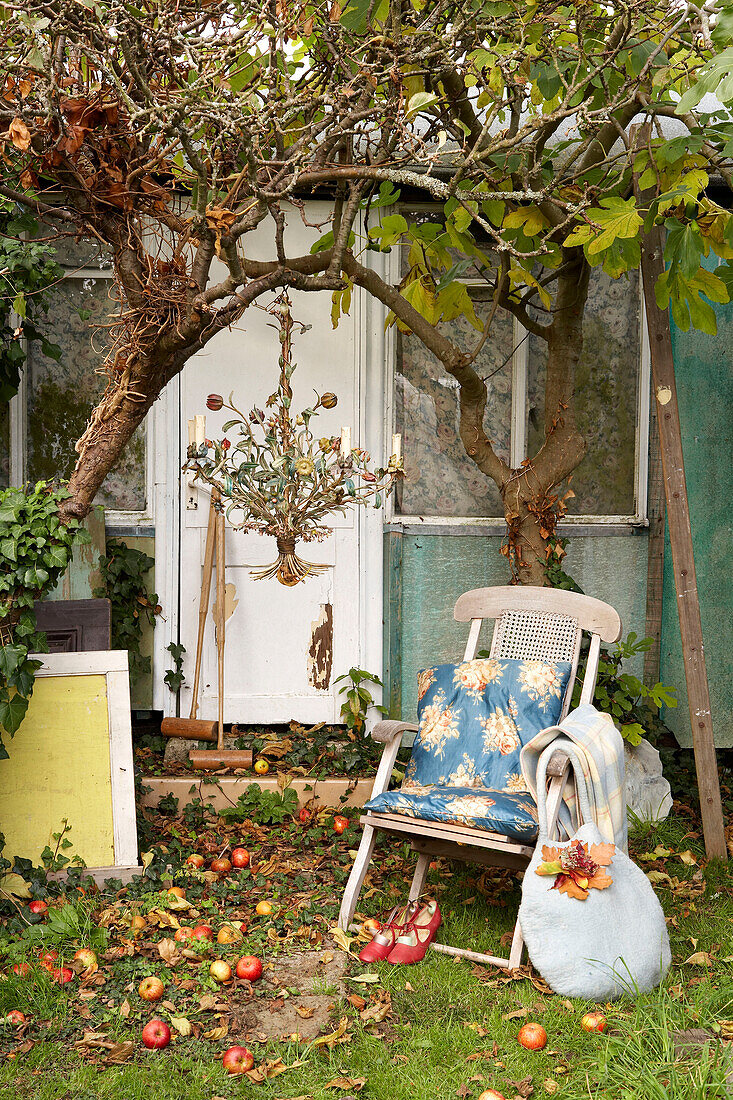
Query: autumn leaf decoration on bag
x,y
579,869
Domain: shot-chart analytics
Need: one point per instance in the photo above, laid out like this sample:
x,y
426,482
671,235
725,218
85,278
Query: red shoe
x,y
413,943
382,943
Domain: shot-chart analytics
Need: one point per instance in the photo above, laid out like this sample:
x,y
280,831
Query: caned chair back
x,y
547,624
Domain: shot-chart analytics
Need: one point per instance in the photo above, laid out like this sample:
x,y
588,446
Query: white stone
x,y
648,794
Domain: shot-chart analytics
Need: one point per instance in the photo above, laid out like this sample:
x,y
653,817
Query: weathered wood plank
x,y
680,533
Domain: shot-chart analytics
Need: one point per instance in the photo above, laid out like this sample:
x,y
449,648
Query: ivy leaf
x,y
12,712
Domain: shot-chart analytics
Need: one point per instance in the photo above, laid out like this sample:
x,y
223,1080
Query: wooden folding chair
x,y
531,623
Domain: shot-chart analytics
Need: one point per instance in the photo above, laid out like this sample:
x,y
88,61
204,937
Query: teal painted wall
x,y
704,372
425,574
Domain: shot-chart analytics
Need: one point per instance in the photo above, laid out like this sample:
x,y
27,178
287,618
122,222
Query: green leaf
x,y
12,712
420,101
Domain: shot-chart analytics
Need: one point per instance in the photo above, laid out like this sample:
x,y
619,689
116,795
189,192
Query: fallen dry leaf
x,y
304,1012
354,1084
168,951
125,1008
517,1014
700,958
688,858
182,1025
334,1037
217,1033
356,1001
273,1067
367,979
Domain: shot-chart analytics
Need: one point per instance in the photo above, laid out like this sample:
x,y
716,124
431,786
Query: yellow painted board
x,y
59,767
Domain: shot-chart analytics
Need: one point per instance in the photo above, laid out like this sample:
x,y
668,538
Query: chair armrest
x,y
557,763
390,733
386,730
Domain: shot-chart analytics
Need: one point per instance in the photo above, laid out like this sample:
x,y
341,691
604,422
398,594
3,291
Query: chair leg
x,y
418,879
356,878
515,955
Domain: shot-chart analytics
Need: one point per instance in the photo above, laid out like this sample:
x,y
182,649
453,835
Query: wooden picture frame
x,y
72,757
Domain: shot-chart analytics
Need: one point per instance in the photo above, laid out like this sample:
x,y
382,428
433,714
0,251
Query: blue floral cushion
x,y
513,815
474,718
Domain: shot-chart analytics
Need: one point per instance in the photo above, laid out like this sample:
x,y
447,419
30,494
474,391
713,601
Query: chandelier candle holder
x,y
276,477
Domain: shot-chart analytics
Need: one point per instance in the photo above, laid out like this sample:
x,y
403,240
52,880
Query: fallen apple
x,y
593,1021
262,767
87,960
340,824
38,907
196,861
202,932
221,866
176,892
491,1094
63,975
156,1035
228,934
532,1036
47,959
15,1017
263,908
220,971
151,988
370,926
237,1060
249,967
304,816
182,933
240,858
21,970
137,923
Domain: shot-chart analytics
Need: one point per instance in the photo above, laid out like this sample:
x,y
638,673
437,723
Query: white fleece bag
x,y
612,943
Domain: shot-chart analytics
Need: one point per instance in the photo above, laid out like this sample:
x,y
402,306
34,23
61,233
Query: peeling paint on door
x,y
320,653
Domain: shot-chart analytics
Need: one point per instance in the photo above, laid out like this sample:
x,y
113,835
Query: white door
x,y
284,646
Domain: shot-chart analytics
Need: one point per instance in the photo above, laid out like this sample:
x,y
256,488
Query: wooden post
x,y
680,537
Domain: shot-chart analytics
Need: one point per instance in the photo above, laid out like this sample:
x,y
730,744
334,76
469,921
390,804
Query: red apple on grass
x,y
47,958
340,824
220,970
156,1035
15,1017
221,866
87,960
593,1021
182,933
202,932
304,816
196,861
370,926
21,970
151,988
491,1094
532,1036
249,967
63,975
38,906
240,858
237,1059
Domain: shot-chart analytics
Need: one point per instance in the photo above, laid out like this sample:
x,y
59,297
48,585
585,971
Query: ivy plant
x,y
625,697
358,698
27,271
35,549
124,571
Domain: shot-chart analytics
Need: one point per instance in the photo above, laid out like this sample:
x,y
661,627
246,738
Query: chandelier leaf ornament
x,y
276,477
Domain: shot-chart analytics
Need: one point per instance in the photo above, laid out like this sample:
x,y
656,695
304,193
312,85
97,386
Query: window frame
x,y
117,521
601,524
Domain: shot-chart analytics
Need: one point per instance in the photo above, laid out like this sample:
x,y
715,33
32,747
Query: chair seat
x,y
512,815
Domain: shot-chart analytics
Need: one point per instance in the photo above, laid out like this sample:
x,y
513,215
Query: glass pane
x,y
70,252
4,446
62,394
606,395
440,479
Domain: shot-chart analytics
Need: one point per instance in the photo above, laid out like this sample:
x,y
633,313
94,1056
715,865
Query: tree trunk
x,y
112,424
531,509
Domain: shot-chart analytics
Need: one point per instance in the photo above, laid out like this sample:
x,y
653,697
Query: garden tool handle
x,y
204,601
220,619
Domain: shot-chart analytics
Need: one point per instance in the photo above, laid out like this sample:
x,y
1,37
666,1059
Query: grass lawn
x,y
441,1029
